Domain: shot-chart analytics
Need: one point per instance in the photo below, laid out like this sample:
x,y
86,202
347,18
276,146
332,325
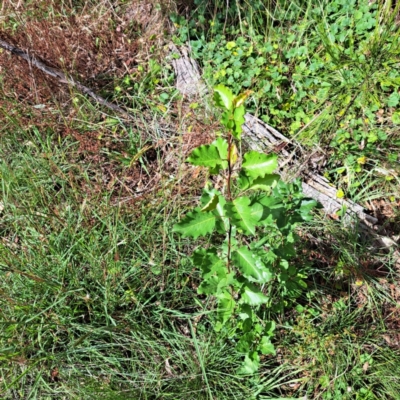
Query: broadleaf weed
x,y
256,214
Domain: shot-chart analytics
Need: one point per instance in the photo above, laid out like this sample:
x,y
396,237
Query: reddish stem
x,y
229,198
229,166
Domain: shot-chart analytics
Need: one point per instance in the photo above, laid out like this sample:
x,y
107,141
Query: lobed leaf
x,y
265,346
227,121
195,224
245,312
222,146
259,164
226,306
209,262
250,266
243,180
243,215
208,156
265,182
306,206
212,203
222,222
250,364
209,286
252,295
214,286
245,343
270,327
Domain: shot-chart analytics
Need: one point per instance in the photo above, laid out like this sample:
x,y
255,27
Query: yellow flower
x,y
340,194
362,160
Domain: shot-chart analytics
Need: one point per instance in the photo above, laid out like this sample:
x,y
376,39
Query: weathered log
x,y
187,72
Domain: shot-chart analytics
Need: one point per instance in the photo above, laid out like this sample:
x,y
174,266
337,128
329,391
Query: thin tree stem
x,y
229,167
229,198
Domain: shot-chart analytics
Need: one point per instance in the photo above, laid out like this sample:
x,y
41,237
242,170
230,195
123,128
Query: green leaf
x,y
250,266
393,99
357,15
259,164
214,285
227,121
238,117
259,243
273,208
226,305
265,346
195,224
250,364
212,203
243,215
209,286
222,146
285,250
269,201
208,156
223,97
270,328
265,182
252,295
268,257
306,206
245,343
243,180
396,118
245,312
222,222
209,262
208,194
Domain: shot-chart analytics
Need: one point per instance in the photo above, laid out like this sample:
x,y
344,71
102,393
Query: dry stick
x,y
62,78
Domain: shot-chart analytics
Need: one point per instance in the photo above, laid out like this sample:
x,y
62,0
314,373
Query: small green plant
x,y
252,220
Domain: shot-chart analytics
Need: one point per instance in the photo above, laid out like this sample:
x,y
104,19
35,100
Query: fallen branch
x,y
62,77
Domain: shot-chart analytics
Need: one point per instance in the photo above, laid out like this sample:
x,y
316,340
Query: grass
x,y
342,363
93,296
98,299
340,331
